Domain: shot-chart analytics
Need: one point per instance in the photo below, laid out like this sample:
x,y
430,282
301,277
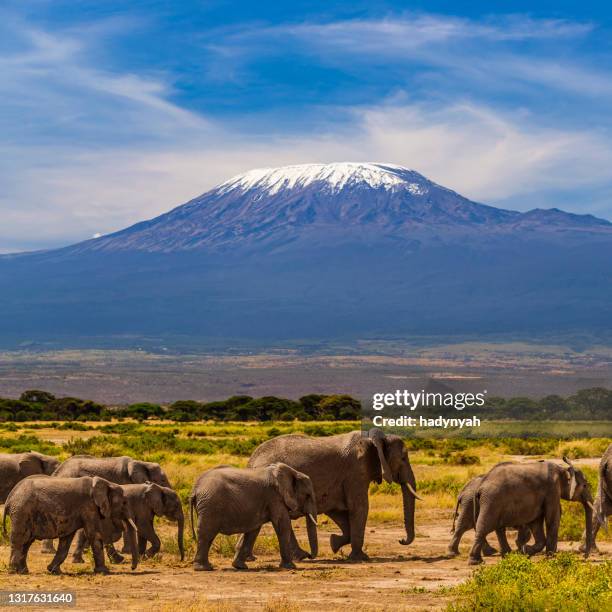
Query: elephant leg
x,y
537,528
19,556
522,537
358,516
60,556
113,555
606,509
82,544
148,533
247,542
483,529
504,547
487,549
553,517
206,534
297,552
342,520
97,548
47,547
282,527
249,556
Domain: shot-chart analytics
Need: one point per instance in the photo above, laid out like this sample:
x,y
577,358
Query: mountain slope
x,y
324,252
276,206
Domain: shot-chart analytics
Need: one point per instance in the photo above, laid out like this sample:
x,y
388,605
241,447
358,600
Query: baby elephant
x,y
463,520
43,507
230,500
145,501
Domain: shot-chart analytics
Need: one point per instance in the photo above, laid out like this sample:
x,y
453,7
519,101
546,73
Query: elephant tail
x,y
476,507
456,514
191,506
4,519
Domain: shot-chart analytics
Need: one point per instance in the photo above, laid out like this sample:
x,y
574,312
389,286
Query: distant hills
x,y
317,251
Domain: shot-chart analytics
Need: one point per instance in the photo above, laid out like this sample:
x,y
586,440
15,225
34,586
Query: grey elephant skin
x,y
529,494
603,500
229,500
341,468
120,470
146,501
464,520
43,507
16,467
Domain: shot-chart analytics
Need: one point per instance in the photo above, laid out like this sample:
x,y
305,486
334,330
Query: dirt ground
x,y
398,577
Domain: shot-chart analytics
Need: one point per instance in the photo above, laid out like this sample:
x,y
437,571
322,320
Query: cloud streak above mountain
x,y
503,109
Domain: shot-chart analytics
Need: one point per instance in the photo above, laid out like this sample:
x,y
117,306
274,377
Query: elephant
x,y
146,501
463,520
231,500
341,468
603,499
529,494
16,467
41,507
120,470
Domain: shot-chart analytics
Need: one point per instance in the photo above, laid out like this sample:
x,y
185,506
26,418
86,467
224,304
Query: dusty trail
x,y
397,578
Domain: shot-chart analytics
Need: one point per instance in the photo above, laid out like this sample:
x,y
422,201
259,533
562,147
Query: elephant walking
x,y
341,468
14,467
119,470
44,507
603,499
529,494
464,520
230,500
146,501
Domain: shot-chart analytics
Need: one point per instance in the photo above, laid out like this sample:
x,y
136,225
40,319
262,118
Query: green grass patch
x,y
518,584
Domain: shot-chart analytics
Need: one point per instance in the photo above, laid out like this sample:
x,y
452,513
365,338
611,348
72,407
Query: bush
x,y
518,584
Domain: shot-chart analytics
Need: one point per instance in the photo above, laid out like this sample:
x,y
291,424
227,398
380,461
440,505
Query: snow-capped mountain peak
x,y
330,177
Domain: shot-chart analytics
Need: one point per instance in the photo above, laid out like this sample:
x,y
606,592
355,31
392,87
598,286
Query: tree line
x,y
36,405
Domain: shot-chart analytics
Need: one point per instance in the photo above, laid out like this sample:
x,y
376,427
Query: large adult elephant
x,y
14,467
42,507
603,500
529,494
341,468
119,470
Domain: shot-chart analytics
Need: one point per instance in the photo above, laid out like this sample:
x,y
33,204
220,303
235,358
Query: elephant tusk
x,y
414,493
591,506
133,525
313,519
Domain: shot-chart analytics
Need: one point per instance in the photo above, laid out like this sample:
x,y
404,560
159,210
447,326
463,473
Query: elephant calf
x,y
529,494
463,520
145,501
230,500
44,507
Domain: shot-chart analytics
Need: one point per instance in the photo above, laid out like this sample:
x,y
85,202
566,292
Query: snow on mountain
x,y
331,177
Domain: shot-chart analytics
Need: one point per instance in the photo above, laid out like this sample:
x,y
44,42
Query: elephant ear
x,y
378,439
285,483
137,472
30,464
571,477
100,495
155,498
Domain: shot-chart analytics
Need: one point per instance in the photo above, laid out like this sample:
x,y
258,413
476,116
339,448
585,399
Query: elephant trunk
x,y
313,538
588,520
131,536
408,501
181,529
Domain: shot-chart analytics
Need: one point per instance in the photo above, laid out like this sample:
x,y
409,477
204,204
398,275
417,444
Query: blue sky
x,y
112,112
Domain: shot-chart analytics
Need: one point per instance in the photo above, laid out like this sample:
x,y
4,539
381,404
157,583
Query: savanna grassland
x,y
418,576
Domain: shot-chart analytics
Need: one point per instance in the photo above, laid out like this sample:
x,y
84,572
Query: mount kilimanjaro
x,y
348,250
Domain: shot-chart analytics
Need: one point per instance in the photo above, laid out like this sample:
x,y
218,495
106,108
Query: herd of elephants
x,y
290,476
